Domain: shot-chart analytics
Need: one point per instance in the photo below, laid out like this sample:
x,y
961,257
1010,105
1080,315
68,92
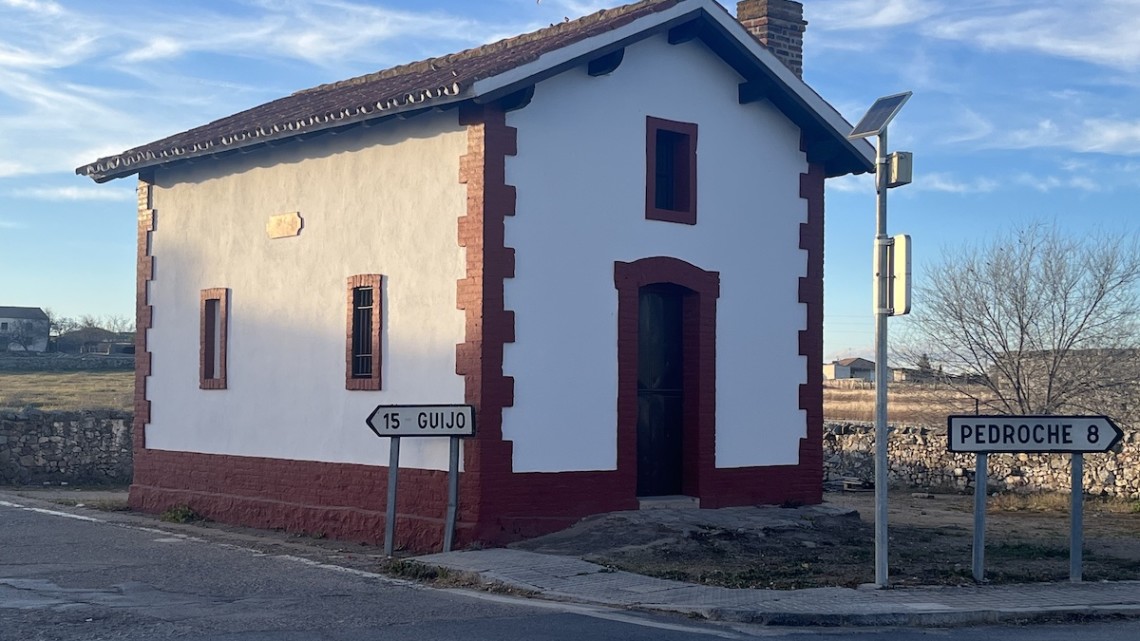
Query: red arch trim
x,y
699,349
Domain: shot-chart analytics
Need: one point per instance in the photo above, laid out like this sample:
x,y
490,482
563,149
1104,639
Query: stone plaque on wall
x,y
284,225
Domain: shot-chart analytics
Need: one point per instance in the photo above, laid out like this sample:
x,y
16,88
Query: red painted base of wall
x,y
347,502
343,501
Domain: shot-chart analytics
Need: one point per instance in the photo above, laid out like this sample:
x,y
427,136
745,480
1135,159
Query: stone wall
x,y
65,447
20,362
919,459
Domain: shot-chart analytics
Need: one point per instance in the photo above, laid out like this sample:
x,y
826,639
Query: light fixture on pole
x,y
891,293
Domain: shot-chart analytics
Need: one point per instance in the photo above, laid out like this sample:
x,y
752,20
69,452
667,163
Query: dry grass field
x,y
67,391
908,403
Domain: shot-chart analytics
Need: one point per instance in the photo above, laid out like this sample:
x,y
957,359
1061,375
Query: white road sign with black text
x,y
422,420
1031,434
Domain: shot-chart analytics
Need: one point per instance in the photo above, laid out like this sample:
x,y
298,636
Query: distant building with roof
x,y
562,230
848,368
24,329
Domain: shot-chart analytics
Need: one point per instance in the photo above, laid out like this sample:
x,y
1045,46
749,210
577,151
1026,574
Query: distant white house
x,y
24,329
859,368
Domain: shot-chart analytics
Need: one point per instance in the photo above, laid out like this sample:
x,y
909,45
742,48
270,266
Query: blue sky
x,y
1022,111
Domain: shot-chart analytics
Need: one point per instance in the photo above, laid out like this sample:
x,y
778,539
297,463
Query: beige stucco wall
x,y
384,200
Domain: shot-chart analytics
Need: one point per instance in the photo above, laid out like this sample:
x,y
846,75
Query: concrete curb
x,y
570,579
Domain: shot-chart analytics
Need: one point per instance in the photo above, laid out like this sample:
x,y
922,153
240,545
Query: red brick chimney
x,y
778,25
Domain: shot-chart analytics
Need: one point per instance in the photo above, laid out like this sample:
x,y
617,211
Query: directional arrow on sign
x,y
1032,434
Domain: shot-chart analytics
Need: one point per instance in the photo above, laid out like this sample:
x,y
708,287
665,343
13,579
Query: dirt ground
x,y
931,540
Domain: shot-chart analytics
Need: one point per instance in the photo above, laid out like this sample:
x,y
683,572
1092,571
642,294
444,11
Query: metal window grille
x,y
362,332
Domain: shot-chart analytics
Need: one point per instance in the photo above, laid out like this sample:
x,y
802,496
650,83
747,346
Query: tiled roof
x,y
425,83
859,362
27,313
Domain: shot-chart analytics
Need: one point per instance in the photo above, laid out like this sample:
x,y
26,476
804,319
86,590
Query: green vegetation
x,y
181,514
103,505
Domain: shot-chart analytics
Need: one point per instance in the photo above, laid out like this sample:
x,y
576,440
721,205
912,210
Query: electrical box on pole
x,y
900,275
896,252
901,169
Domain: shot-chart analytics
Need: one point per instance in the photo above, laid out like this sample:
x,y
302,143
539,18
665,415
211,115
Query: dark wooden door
x,y
660,381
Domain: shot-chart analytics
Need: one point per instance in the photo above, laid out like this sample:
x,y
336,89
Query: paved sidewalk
x,y
571,579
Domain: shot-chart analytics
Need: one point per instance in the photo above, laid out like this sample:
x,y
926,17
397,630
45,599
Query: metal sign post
x,y
1033,435
396,421
1077,524
393,476
981,480
452,494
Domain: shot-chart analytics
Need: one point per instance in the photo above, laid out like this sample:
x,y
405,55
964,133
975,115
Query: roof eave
x,y
825,128
121,166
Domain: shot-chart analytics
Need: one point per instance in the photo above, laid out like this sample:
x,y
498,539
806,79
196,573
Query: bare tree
x,y
1034,321
117,324
22,333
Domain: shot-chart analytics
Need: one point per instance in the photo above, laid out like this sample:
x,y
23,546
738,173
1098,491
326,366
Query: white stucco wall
x,y
377,200
580,178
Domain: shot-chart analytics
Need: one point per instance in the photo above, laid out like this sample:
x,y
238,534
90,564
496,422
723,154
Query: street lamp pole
x,y
882,282
886,266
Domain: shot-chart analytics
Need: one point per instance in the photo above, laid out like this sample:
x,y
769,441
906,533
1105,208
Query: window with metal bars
x,y
361,332
362,351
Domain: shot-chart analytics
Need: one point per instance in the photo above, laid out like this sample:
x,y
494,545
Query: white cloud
x,y
1103,32
967,125
932,181
947,183
844,15
74,193
319,32
1110,136
34,6
8,168
851,184
1045,184
11,224
48,53
156,49
1088,135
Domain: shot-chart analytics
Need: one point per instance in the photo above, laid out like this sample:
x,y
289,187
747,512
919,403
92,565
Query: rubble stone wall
x,y
919,459
19,362
78,448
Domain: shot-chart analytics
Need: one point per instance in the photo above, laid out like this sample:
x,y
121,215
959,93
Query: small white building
x,y
24,329
562,229
849,368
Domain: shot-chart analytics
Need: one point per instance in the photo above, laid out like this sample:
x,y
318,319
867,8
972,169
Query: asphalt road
x,y
68,574
71,575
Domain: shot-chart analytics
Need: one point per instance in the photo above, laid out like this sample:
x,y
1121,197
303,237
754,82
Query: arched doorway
x,y
666,374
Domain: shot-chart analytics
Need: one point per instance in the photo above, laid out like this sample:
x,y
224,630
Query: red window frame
x,y
675,202
353,379
213,337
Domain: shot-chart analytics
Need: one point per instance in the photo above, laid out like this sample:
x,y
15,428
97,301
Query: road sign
x,y
389,421
395,421
1031,434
